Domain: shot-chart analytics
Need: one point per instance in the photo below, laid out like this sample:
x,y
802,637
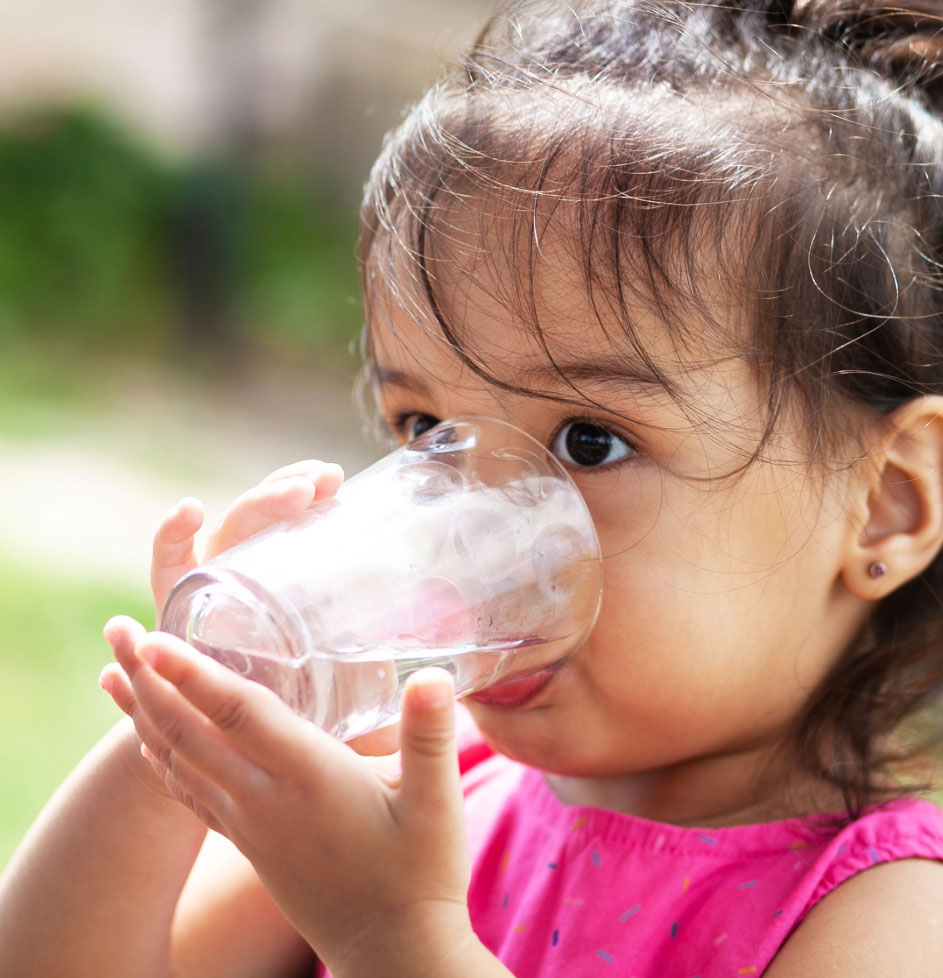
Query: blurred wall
x,y
190,73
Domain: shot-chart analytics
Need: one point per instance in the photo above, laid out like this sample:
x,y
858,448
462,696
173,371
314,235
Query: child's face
x,y
723,606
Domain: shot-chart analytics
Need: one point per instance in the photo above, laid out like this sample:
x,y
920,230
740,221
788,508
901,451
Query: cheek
x,y
624,504
701,631
673,677
731,571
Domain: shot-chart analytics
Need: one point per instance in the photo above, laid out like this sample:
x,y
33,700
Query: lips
x,y
515,692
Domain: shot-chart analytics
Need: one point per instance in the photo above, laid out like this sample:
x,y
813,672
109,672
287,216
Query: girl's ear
x,y
898,526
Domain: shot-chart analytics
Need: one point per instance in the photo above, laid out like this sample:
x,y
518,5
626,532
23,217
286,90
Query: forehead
x,y
516,294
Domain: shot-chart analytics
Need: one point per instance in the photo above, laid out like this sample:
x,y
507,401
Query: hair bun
x,y
903,40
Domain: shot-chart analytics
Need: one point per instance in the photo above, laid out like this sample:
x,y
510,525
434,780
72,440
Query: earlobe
x,y
898,528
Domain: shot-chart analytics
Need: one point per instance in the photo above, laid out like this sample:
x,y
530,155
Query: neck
x,y
756,785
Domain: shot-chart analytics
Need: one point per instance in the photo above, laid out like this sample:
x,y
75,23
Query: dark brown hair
x,y
797,147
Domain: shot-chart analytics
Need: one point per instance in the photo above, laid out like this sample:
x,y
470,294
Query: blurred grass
x,y
51,648
53,711
44,390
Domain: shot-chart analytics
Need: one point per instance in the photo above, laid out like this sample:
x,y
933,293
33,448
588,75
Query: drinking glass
x,y
470,548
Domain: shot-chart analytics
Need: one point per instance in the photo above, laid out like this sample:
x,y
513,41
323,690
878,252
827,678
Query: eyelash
x,y
596,427
400,425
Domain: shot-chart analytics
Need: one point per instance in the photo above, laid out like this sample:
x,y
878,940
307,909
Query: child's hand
x,y
123,634
285,493
369,868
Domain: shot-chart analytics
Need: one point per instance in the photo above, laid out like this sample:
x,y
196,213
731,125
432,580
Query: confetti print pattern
x,y
564,893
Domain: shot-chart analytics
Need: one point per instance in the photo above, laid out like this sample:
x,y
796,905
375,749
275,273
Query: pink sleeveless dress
x,y
560,891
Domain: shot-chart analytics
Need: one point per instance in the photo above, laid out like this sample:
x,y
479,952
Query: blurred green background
x,y
179,186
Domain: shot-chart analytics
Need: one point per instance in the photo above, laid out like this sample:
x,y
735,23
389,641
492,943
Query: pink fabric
x,y
561,891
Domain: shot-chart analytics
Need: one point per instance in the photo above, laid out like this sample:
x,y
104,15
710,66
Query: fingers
x,y
173,554
123,634
258,509
377,743
190,788
193,756
114,682
285,493
427,741
327,475
118,679
213,718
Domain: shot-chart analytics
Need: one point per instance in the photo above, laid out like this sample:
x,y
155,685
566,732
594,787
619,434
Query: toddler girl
x,y
694,248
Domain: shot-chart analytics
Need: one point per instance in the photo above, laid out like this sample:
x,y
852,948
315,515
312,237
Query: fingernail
x,y
435,693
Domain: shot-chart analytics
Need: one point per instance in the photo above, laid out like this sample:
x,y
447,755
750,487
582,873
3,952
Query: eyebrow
x,y
626,376
391,377
617,376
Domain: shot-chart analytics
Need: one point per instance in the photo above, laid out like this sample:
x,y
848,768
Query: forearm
x,y
92,889
431,941
467,959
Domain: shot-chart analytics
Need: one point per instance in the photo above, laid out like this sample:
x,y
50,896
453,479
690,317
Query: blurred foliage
x,y
302,258
80,222
105,244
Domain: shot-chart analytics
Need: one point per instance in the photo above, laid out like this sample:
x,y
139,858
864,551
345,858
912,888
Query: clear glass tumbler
x,y
468,548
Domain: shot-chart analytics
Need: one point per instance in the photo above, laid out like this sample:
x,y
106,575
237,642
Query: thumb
x,y
427,739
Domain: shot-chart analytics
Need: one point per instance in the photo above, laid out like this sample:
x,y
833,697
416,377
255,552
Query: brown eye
x,y
418,424
587,444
